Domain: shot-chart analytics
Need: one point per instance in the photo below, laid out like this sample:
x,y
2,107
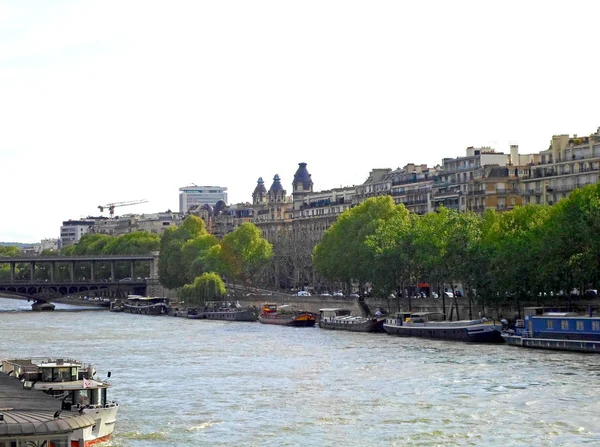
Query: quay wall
x,y
314,303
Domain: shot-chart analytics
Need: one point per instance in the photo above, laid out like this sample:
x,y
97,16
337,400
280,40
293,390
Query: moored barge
x,y
342,319
224,311
555,330
146,305
286,315
432,325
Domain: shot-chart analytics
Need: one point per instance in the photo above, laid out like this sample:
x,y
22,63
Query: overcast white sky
x,y
112,101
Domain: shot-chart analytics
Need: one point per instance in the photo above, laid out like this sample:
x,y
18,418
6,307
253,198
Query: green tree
x,y
245,253
343,254
207,287
177,260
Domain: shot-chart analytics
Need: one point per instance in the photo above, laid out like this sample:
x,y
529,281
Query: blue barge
x,y
561,331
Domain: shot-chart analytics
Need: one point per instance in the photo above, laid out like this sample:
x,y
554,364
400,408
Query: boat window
x,y
46,374
580,325
82,398
564,325
595,325
549,324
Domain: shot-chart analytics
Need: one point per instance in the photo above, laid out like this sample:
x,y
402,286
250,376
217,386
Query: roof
x,y
260,187
276,186
332,309
302,176
30,412
40,422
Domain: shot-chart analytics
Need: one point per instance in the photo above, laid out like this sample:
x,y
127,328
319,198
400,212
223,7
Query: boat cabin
x,y
330,313
424,317
50,370
563,325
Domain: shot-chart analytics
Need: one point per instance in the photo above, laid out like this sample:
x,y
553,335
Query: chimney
x,y
514,154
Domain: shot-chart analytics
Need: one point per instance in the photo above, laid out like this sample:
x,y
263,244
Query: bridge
x,y
43,278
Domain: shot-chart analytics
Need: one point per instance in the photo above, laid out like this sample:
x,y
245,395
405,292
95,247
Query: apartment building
x,y
569,163
451,184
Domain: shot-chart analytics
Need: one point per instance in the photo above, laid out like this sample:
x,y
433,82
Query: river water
x,y
194,383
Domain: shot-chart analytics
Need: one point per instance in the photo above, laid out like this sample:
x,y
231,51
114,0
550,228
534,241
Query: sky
x,y
111,101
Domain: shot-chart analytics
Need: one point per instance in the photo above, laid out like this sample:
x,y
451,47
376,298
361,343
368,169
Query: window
x,y
595,325
564,325
580,325
549,324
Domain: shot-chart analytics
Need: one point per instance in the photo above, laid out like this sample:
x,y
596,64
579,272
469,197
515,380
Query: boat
x,y
433,325
147,305
286,315
223,310
75,384
342,319
552,329
117,306
42,306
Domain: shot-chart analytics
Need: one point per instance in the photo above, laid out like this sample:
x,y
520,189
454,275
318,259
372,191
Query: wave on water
x,y
153,436
203,425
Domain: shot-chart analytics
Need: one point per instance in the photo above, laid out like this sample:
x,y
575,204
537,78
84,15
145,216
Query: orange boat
x,y
286,315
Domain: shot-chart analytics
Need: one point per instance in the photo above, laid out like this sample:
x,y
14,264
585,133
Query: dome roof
x,y
219,207
260,187
276,186
302,176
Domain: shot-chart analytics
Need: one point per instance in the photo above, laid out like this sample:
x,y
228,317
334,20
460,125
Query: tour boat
x,y
342,319
147,305
432,325
223,310
286,315
556,330
74,384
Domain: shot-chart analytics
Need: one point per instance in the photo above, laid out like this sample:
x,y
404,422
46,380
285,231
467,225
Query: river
x,y
198,383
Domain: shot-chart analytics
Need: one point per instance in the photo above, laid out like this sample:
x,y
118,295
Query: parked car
x,y
338,294
125,280
591,293
303,293
354,295
449,295
325,294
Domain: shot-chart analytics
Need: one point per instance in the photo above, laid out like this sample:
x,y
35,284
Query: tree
x,y
392,243
343,254
174,266
245,253
207,287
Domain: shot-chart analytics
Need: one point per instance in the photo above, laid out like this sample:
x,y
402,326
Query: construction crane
x,y
111,206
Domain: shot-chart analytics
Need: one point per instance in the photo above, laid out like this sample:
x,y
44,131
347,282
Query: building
x,y
411,185
200,195
451,184
569,163
71,231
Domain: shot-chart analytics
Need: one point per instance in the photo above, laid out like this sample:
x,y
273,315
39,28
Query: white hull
x,y
105,424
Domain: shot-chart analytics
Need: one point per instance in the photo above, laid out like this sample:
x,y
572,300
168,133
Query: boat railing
x,y
526,334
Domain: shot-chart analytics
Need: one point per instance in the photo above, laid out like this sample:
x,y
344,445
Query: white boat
x,y
75,384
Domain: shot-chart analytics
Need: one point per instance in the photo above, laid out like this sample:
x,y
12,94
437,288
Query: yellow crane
x,y
111,206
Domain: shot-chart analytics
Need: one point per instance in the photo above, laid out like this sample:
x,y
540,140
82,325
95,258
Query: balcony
x,y
414,202
478,192
410,181
504,191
